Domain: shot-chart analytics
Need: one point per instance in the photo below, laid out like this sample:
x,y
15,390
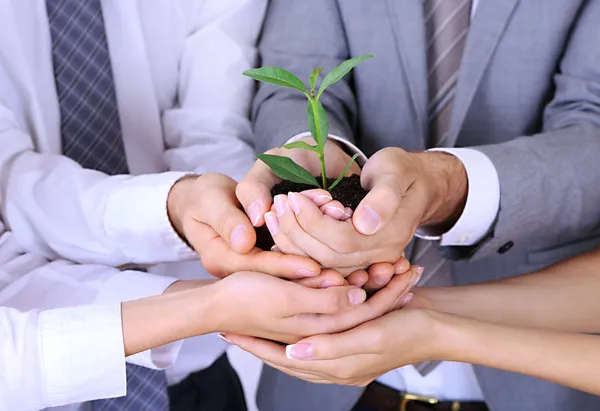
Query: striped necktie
x,y
91,135
447,26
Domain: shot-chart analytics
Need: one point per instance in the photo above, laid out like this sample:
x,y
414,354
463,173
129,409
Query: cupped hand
x,y
271,308
405,191
358,356
206,213
254,191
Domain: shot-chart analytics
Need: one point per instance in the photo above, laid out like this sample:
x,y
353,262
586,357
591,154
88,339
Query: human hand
x,y
270,308
205,212
405,191
356,357
254,191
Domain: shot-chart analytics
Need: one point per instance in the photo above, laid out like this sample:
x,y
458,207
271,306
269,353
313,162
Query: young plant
x,y
318,124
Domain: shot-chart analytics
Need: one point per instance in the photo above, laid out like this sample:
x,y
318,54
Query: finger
x,y
383,301
307,243
283,243
273,354
318,196
349,247
401,266
360,340
379,206
327,300
327,278
358,278
220,260
335,210
254,192
219,209
380,275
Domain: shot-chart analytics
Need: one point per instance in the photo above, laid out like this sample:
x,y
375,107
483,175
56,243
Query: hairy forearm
x,y
562,297
565,358
182,312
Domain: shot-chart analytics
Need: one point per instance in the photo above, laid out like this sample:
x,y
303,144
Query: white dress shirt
x,y
451,380
53,355
183,105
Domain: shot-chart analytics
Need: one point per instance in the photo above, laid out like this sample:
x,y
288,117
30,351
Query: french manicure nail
x,y
222,337
303,273
237,237
407,299
418,273
254,212
335,210
303,351
272,223
367,221
280,205
321,199
356,296
294,202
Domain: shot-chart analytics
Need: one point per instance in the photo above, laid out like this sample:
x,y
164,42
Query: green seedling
x,y
318,124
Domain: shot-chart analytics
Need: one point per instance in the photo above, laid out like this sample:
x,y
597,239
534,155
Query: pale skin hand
x,y
406,190
254,193
205,211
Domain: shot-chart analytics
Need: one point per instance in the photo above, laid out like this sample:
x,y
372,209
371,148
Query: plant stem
x,y
323,172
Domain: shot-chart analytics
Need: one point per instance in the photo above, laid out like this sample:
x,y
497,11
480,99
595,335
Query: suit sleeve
x,y
549,182
293,39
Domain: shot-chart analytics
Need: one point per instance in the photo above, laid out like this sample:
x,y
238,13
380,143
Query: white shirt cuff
x,y
134,285
483,201
83,354
136,217
350,147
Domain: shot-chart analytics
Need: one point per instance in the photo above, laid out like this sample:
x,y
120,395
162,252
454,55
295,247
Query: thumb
x,y
330,346
379,206
254,192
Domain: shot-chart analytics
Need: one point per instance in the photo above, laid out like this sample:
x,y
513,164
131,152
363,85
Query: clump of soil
x,y
348,192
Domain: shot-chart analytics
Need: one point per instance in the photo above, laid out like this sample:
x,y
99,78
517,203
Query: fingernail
x,y
301,351
416,277
237,237
367,221
254,212
380,280
280,205
356,296
408,298
294,202
337,212
275,249
327,284
272,223
222,337
321,199
303,273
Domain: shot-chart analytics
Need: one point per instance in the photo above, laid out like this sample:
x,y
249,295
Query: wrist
x,y
447,181
176,202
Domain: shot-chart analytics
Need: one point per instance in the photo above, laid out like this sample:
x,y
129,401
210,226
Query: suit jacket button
x,y
506,247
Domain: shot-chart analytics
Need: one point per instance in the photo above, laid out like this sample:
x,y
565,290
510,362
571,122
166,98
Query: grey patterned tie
x,y
91,135
447,25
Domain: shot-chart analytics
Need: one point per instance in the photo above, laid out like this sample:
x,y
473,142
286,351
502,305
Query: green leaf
x,y
314,76
318,123
286,168
302,145
340,71
277,76
336,182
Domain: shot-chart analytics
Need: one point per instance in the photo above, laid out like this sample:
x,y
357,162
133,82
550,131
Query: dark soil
x,y
348,192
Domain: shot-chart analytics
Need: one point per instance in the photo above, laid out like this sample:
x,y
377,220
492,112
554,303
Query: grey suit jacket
x,y
528,97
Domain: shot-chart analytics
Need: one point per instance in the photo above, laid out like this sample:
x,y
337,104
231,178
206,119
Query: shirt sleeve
x,y
60,210
47,354
483,196
209,130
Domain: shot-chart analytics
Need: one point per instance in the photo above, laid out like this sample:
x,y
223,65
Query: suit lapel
x,y
488,25
409,30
